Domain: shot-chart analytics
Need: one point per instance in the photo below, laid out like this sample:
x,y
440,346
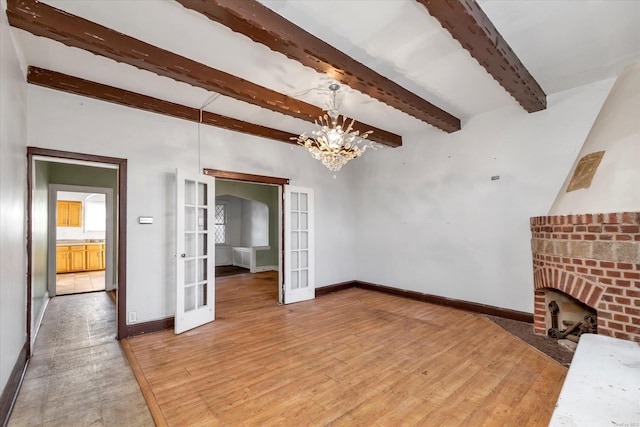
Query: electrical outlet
x,y
133,317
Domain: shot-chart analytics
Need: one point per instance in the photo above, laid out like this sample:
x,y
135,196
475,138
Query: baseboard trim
x,y
265,268
10,392
449,302
335,288
149,327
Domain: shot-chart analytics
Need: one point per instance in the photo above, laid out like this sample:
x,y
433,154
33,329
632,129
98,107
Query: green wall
x,y
90,176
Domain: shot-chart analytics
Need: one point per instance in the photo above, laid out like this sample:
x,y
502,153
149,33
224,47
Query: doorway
x,y
81,220
50,171
267,190
296,235
247,228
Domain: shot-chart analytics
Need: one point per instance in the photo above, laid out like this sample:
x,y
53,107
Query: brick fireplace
x,y
594,258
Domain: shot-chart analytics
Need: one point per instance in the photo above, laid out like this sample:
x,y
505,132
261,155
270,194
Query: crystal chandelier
x,y
332,143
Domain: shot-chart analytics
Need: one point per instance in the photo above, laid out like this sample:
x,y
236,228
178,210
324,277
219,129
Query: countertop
x,y
602,387
75,242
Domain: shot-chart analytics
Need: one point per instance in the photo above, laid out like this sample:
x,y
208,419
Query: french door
x,y
299,243
195,250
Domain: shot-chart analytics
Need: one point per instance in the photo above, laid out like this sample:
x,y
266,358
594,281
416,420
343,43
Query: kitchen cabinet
x,y
95,257
74,258
77,258
70,258
69,213
62,259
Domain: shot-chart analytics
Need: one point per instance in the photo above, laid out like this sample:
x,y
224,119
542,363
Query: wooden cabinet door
x,y
95,257
63,213
75,214
62,259
77,258
69,213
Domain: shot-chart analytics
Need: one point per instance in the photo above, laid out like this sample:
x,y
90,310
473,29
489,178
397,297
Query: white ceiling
x,y
562,43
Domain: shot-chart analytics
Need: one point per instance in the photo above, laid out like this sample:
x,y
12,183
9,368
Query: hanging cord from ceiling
x,y
207,102
323,88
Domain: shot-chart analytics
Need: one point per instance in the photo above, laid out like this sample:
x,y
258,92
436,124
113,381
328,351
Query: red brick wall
x,y
595,258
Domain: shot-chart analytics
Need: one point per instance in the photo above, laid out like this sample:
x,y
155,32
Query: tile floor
x,y
78,374
73,283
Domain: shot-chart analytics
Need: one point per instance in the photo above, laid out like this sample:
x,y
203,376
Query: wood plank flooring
x,y
353,357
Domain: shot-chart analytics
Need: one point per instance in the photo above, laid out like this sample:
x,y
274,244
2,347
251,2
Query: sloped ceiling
x,y
413,73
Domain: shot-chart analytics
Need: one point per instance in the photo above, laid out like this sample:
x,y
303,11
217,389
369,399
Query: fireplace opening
x,y
568,318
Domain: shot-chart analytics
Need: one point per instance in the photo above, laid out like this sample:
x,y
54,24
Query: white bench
x,y
602,387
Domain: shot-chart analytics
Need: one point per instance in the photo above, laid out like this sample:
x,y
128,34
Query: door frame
x,y
120,224
266,180
109,281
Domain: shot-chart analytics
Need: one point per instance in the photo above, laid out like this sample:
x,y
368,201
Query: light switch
x,y
145,220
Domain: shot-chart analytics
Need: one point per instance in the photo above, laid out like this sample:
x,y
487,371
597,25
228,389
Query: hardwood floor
x,y
230,270
353,357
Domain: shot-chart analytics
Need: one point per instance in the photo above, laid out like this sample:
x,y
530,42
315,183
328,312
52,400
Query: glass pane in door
x,y
189,271
202,295
189,192
202,269
202,194
202,219
189,298
189,218
303,202
202,244
190,245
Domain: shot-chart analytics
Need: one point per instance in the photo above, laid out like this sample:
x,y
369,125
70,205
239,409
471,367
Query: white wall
x,y
616,184
430,219
255,224
13,167
155,146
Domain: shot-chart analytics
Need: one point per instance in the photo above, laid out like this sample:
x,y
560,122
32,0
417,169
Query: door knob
x,y
183,255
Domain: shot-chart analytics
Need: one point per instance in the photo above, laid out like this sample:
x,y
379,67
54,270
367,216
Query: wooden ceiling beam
x,y
43,20
264,26
468,24
63,82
